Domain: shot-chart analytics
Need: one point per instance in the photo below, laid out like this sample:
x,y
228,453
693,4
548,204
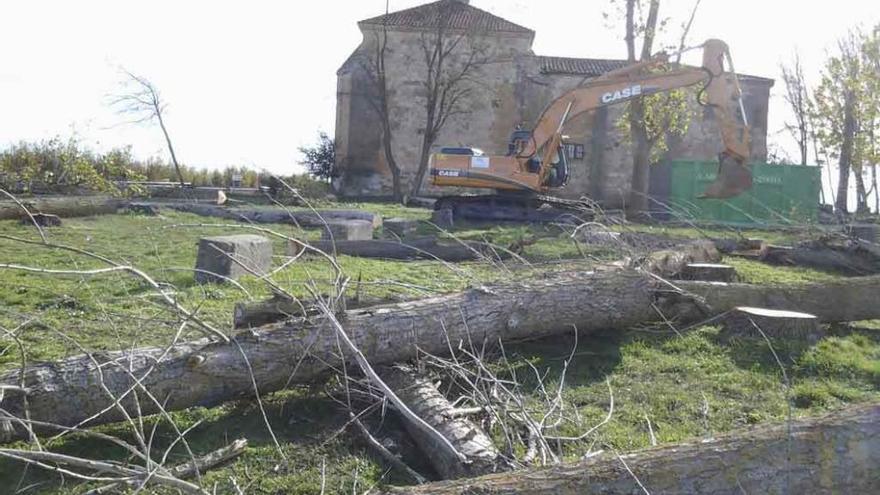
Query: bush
x,y
320,159
58,166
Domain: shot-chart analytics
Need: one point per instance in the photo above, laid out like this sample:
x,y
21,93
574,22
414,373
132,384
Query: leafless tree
x,y
798,98
143,102
451,59
376,72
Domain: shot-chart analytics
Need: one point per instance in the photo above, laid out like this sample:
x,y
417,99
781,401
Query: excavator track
x,y
529,208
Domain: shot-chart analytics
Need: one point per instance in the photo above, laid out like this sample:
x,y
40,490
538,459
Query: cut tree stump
x,y
423,398
865,231
229,257
403,228
347,230
837,453
745,321
445,218
709,272
42,219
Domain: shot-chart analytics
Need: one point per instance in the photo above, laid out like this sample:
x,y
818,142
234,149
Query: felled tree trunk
x,y
277,215
843,256
205,373
66,207
838,453
414,249
423,398
853,299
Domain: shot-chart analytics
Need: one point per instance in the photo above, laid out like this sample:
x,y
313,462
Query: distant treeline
x,y
66,167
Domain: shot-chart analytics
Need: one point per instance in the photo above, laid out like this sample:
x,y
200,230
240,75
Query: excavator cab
x,y
559,172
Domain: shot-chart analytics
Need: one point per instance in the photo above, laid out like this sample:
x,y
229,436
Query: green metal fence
x,y
781,194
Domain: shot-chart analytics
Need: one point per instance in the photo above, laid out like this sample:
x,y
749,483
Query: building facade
x,y
509,88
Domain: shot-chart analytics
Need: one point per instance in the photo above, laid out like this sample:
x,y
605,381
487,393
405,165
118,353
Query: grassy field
x,y
688,386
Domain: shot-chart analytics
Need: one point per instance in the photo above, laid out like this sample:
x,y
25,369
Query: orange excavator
x,y
536,165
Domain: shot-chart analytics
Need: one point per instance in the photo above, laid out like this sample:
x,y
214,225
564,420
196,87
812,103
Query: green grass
x,y
691,386
755,272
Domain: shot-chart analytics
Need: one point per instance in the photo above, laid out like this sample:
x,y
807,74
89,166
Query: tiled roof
x,y
458,15
592,67
578,66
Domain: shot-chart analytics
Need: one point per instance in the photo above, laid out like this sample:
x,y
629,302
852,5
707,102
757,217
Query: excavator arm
x,y
720,91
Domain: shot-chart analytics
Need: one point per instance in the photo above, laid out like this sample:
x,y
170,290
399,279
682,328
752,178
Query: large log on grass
x,y
426,248
204,373
838,453
303,218
65,207
847,256
851,299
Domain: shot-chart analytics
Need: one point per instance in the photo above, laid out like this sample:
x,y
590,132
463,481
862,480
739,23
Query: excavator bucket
x,y
734,178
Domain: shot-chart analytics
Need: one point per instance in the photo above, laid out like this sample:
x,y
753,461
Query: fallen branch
x,y
190,468
423,398
837,453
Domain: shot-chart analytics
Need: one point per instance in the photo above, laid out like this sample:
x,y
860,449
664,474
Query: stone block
x,y
43,220
223,256
400,227
348,230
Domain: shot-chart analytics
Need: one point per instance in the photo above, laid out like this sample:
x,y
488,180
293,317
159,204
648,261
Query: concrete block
x,y
348,230
400,227
225,255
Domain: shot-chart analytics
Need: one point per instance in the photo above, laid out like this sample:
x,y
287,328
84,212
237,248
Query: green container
x,y
780,194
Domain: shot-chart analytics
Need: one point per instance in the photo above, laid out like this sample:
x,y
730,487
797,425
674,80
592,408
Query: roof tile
x,y
459,15
578,66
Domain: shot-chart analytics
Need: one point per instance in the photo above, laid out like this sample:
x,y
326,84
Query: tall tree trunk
x,y
637,205
861,191
424,158
170,146
396,183
846,154
875,189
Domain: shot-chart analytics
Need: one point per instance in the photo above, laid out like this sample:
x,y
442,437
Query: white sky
x,y
249,82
